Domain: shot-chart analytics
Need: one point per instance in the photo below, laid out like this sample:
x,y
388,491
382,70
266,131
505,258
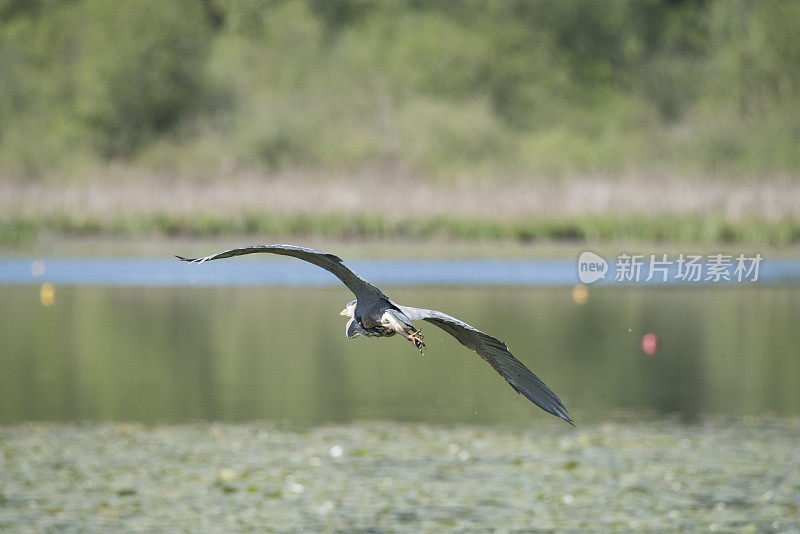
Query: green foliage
x,y
35,116
440,86
97,77
140,69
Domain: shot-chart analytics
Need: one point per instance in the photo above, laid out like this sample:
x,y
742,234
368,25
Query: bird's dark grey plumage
x,y
373,314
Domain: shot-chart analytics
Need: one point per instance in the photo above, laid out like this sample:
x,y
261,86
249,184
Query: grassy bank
x,y
591,230
127,204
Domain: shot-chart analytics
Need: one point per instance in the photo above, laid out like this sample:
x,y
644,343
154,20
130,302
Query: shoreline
x,y
130,212
49,245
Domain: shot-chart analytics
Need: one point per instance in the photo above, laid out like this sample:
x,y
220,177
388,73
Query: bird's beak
x,y
343,312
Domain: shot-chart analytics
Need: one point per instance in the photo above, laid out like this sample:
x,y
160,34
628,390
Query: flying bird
x,y
373,314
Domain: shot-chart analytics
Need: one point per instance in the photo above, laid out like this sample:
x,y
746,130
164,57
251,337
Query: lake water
x,y
102,351
260,341
255,271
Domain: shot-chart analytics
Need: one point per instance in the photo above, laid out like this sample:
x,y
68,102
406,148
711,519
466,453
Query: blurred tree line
x,y
517,86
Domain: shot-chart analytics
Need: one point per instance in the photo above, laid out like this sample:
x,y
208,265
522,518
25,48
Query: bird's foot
x,y
416,338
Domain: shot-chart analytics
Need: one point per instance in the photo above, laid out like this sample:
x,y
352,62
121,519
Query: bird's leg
x,y
416,338
402,325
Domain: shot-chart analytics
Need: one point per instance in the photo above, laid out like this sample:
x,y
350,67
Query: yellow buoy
x,y
580,294
47,294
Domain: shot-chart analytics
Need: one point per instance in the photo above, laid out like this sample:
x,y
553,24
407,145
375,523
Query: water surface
x,y
233,354
256,270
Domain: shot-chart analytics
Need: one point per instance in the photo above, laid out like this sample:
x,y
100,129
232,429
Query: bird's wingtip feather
x,y
190,260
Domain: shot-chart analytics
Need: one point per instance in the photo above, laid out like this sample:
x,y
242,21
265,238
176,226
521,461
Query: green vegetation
x,y
439,87
690,230
618,476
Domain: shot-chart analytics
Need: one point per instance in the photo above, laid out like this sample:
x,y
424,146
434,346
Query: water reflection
x,y
157,354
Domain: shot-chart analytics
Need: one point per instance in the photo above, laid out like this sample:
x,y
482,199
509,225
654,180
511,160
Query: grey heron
x,y
373,314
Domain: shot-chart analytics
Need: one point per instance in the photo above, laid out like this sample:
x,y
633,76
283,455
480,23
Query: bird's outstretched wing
x,y
360,287
497,354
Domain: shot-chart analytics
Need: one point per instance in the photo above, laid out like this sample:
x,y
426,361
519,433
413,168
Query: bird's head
x,y
349,310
